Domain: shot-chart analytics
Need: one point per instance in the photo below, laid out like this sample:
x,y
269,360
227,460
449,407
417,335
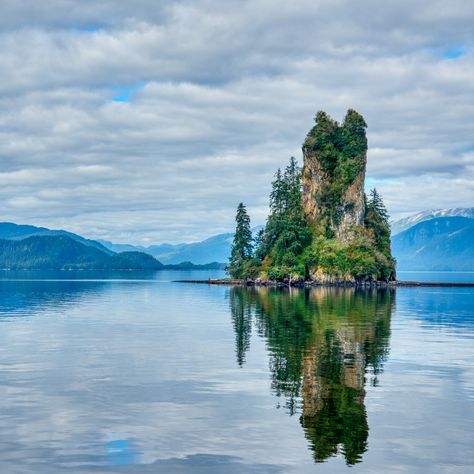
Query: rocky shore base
x,y
315,284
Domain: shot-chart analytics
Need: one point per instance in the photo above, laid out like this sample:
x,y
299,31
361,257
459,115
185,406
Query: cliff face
x,y
346,214
335,160
352,208
351,234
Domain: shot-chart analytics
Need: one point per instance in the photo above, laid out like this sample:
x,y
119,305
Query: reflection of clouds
x,y
154,364
120,453
208,464
137,362
25,298
434,339
444,308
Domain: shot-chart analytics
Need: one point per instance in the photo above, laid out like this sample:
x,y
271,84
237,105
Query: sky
x,y
146,122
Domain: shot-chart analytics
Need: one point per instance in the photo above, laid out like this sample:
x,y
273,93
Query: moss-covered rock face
x,y
335,158
351,235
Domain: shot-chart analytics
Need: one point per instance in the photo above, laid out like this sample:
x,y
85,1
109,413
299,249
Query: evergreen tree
x,y
286,233
242,247
278,198
377,205
377,221
278,194
260,244
292,179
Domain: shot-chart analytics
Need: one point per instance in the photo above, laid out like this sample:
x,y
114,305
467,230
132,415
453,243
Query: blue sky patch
x,y
124,93
455,52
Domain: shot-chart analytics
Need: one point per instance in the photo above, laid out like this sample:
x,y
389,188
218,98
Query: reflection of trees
x,y
242,321
322,343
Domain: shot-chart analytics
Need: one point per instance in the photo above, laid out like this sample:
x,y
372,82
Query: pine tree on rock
x,y
377,205
286,233
278,195
242,248
377,221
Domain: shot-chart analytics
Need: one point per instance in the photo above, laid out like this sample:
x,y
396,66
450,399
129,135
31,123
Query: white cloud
x,y
223,94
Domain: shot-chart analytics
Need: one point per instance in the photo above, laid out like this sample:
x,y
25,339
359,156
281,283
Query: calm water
x,y
437,277
133,373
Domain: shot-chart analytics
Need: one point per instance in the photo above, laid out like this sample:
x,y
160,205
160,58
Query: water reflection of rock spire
x,y
323,344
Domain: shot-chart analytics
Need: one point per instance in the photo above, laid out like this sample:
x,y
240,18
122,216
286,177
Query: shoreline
x,y
309,284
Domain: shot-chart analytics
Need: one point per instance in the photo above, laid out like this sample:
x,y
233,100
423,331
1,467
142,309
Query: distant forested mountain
x,y
11,231
38,248
192,266
60,252
136,260
443,244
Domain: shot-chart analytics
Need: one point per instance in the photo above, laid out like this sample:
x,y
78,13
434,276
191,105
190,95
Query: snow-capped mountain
x,y
438,244
407,222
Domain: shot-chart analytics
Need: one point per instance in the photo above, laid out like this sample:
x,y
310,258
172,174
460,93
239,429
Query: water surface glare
x,y
131,373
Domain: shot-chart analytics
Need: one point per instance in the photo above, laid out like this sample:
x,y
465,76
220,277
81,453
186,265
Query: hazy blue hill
x,y
443,243
139,260
11,231
43,252
192,266
118,248
214,249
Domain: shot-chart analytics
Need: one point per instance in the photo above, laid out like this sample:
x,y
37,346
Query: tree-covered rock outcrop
x,y
322,226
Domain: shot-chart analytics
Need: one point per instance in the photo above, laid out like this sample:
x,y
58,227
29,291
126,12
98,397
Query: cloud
x,y
139,123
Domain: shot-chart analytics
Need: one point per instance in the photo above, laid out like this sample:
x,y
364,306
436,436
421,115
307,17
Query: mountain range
x,y
440,239
213,249
39,248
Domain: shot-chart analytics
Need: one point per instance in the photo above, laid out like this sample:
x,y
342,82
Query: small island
x,y
322,227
